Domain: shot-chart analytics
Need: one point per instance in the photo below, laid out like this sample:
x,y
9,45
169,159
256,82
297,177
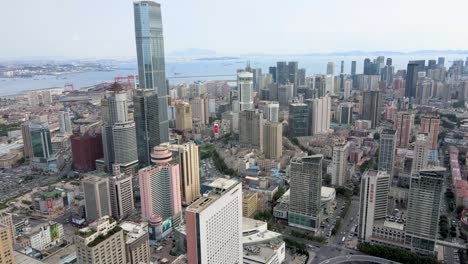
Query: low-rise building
x,y
249,203
42,236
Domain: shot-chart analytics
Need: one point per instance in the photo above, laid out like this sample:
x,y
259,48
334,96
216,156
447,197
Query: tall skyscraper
x,y
189,163
160,186
273,140
441,62
353,74
403,126
214,226
183,116
345,113
272,71
282,72
430,125
110,238
146,119
271,112
387,151
421,153
118,132
65,122
298,120
41,146
7,255
301,77
97,197
150,57
251,128
414,67
86,149
121,194
331,68
426,190
339,163
27,143
319,114
372,103
305,192
375,187
245,88
200,109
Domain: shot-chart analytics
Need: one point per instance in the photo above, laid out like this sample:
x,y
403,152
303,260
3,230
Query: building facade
x,y
251,128
273,140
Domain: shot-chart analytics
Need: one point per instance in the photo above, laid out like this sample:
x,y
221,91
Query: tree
x,y
376,136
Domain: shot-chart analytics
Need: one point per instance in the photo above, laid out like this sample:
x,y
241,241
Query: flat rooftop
x,y
222,186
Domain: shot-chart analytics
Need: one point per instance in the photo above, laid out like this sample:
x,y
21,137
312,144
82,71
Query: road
x,y
357,258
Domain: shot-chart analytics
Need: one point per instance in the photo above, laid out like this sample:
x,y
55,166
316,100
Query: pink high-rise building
x,y
403,125
160,186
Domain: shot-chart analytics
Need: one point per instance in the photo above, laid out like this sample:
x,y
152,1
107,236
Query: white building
x,y
421,154
319,114
245,87
43,236
339,163
214,226
65,122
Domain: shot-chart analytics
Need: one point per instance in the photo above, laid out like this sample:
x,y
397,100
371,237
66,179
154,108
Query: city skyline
x,y
345,27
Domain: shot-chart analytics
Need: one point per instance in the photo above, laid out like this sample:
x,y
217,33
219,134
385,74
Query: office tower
x,y
137,247
368,67
421,153
353,74
368,82
292,73
121,194
101,242
150,57
331,68
298,120
97,197
41,146
403,126
27,143
273,140
301,77
7,255
345,113
431,64
183,116
387,73
426,190
430,125
271,112
272,71
441,62
65,122
342,67
372,103
373,201
414,67
347,87
319,115
233,119
256,74
160,186
387,151
214,226
251,128
285,93
282,72
305,191
86,149
200,109
330,84
245,88
340,163
6,219
189,168
146,119
389,62
118,132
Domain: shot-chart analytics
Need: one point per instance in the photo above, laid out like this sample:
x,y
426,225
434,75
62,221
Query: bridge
x,y
450,244
200,76
357,259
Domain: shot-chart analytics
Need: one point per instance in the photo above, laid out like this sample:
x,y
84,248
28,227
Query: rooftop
x,y
221,186
133,231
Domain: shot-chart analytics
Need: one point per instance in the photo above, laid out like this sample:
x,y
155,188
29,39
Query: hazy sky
x,y
104,28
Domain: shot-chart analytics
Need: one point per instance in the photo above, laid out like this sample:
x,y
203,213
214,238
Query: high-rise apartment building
x,y
7,255
160,186
214,226
271,112
372,103
373,201
245,88
145,102
183,116
6,219
102,241
273,140
331,68
249,203
189,162
298,120
150,57
97,197
319,115
430,125
65,122
305,192
425,197
403,126
345,113
137,248
339,163
251,128
121,194
421,153
387,151
200,109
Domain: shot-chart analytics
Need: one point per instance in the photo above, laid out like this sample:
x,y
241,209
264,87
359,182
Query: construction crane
x,y
69,85
128,81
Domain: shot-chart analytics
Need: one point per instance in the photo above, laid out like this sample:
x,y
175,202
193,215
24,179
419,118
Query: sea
x,y
192,70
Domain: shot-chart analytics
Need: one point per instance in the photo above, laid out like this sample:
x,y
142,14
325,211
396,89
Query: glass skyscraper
x,y
151,64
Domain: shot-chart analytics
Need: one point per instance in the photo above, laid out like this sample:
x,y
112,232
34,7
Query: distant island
x,y
217,58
